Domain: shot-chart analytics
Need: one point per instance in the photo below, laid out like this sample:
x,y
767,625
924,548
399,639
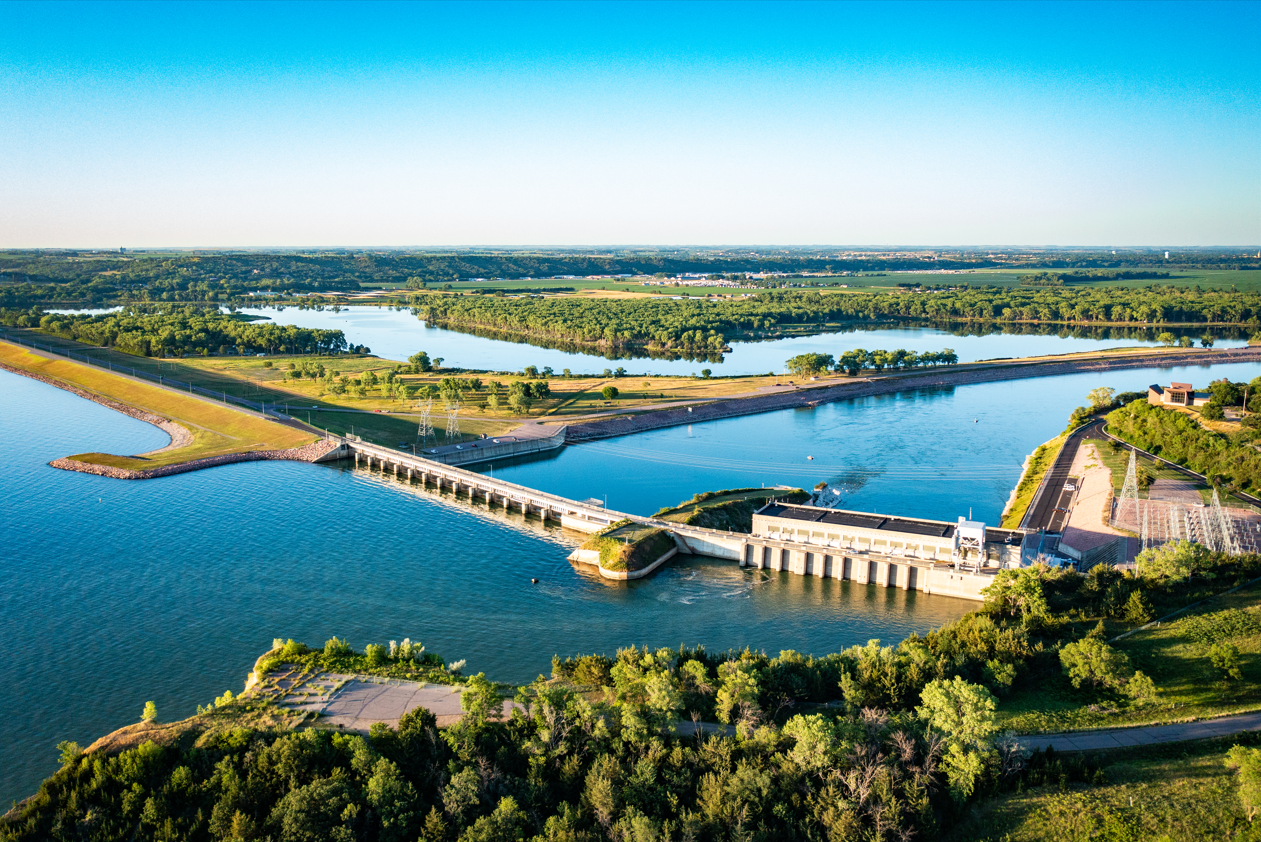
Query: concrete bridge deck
x,y
858,565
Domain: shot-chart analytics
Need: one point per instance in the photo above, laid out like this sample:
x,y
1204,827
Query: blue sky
x,y
551,124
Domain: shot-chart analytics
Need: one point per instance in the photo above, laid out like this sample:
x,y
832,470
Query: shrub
x,y
1175,560
376,654
1248,762
335,646
1213,412
1092,662
609,392
68,752
1141,688
593,670
150,713
1137,610
1225,659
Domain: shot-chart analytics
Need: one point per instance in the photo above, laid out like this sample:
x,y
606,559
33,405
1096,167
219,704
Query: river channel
x,y
167,590
397,334
936,453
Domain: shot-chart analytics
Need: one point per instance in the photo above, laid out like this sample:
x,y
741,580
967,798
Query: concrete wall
x,y
485,451
716,547
866,568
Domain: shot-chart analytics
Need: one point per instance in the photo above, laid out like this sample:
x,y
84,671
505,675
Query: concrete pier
x,y
866,560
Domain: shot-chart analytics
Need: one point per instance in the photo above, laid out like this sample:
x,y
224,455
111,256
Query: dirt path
x,y
1087,526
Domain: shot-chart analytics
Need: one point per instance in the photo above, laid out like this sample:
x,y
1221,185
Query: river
x,y
397,334
166,590
936,453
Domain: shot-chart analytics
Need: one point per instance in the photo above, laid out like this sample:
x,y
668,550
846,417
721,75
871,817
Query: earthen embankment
x,y
809,397
312,452
180,437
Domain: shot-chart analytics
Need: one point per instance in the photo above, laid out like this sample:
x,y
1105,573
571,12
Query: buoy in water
x,y
974,420
534,581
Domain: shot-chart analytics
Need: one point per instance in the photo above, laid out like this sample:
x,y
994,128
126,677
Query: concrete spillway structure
x,y
956,559
938,557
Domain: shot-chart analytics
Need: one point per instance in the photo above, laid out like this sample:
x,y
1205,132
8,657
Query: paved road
x,y
1048,502
1152,735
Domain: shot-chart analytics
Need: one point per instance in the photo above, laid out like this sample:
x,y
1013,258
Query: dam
x,y
935,557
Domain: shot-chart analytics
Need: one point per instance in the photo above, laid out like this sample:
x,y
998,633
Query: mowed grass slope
x,y
1175,655
1180,793
216,430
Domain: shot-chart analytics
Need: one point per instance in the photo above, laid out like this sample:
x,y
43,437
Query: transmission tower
x,y
425,431
1129,491
453,420
1221,521
1208,534
1145,535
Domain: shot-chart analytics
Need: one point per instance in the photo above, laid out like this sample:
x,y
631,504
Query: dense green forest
x,y
175,330
876,742
80,278
707,325
1230,461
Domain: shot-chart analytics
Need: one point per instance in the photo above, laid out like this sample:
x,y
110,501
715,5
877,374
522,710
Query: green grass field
x,y
216,430
1174,793
1118,461
1175,657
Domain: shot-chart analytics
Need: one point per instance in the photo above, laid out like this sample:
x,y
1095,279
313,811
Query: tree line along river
x,y
396,334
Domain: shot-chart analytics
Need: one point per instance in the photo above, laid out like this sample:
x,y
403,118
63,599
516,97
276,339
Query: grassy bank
x,y
1175,656
732,509
629,547
215,430
1175,793
1039,463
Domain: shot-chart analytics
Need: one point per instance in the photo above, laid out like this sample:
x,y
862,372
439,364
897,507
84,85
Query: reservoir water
x,y
397,334
167,590
936,453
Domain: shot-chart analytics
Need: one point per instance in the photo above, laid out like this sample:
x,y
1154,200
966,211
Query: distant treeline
x,y
1056,279
708,325
169,330
29,278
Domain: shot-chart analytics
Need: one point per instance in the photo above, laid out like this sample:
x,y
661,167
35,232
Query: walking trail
x,y
1123,737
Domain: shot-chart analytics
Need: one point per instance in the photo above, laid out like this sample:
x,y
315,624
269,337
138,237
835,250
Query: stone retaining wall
x,y
179,435
312,452
813,397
